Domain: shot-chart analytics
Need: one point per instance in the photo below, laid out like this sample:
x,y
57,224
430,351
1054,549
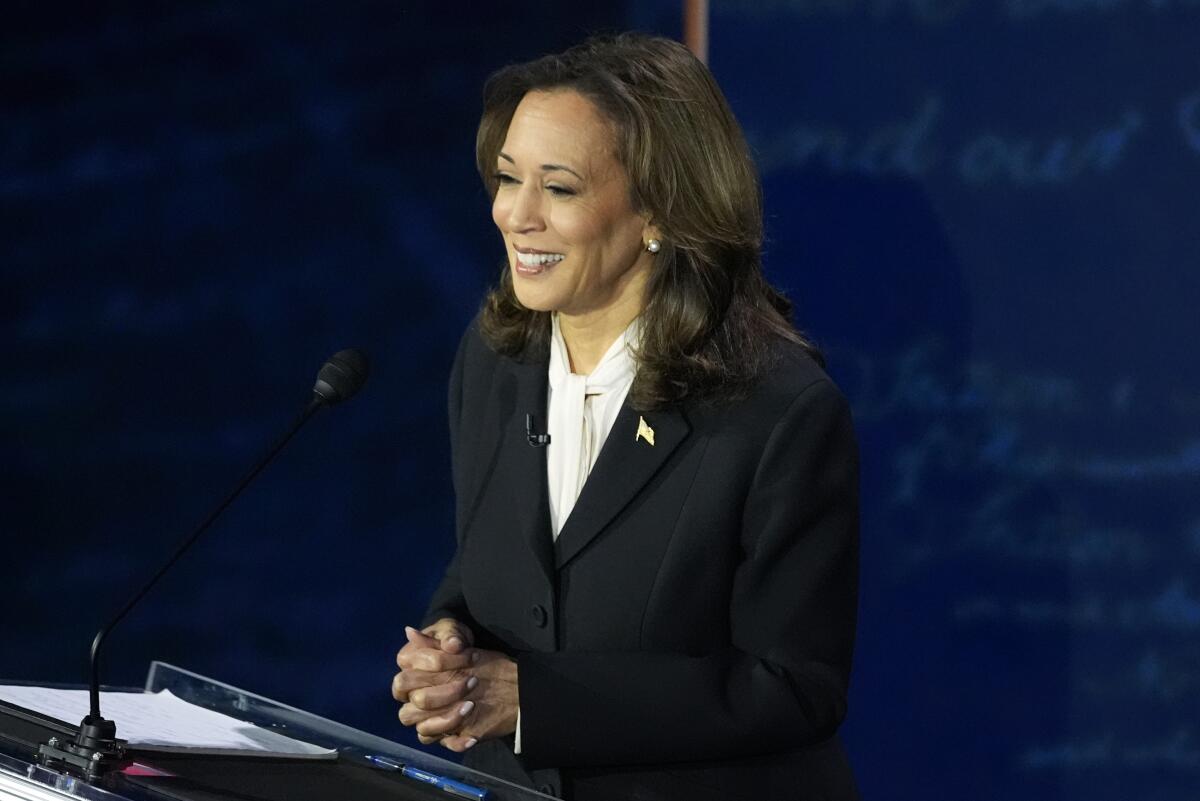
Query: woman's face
x,y
575,244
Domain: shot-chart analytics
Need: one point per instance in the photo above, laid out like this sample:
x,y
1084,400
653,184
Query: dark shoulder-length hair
x,y
710,315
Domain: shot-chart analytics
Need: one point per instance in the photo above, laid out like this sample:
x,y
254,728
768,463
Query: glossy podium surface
x,y
190,777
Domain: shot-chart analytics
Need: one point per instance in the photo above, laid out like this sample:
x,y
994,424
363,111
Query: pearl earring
x,y
654,246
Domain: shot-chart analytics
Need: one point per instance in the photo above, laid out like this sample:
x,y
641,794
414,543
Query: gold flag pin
x,y
644,432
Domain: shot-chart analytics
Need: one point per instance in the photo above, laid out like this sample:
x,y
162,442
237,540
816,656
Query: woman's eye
x,y
504,178
560,191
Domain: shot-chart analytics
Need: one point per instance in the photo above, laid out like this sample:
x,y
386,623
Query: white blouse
x,y
581,410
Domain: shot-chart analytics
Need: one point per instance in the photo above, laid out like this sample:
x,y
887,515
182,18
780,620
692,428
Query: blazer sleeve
x,y
780,677
448,599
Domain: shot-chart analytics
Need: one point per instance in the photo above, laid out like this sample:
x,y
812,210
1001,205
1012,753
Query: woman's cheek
x,y
499,212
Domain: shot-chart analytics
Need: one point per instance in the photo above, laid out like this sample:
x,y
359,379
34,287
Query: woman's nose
x,y
525,214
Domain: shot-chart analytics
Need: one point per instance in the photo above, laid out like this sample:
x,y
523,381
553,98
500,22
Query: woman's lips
x,y
534,262
537,269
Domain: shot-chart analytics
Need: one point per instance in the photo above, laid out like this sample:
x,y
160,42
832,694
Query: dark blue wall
x,y
986,213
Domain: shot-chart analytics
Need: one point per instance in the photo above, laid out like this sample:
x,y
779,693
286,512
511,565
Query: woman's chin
x,y
532,299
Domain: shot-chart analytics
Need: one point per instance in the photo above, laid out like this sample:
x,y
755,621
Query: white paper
x,y
162,722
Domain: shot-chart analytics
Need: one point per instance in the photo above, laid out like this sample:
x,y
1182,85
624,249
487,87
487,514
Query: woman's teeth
x,y
538,259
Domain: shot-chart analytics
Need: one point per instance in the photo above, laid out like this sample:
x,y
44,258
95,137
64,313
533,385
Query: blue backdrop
x,y
986,214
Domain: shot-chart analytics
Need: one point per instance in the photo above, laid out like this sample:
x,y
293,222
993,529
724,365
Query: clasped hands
x,y
451,691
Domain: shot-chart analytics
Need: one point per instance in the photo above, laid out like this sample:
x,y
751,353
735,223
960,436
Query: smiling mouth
x,y
534,263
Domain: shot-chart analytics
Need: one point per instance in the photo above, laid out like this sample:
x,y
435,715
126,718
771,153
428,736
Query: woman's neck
x,y
589,336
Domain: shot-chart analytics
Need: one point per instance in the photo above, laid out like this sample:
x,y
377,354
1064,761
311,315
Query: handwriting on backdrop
x,y
993,458
1012,430
916,147
1003,480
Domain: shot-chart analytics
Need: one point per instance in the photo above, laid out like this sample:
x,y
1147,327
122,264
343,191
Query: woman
x,y
655,585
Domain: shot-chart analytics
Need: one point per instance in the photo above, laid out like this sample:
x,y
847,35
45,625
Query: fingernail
x,y
474,657
470,742
410,631
455,641
472,682
466,708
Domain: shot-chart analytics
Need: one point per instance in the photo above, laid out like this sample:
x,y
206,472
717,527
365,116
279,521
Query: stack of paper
x,y
163,722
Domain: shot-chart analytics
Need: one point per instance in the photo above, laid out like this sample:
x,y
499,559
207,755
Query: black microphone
x,y
96,749
535,440
340,378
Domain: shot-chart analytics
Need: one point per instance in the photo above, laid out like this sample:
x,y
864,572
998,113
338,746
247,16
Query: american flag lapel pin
x,y
644,432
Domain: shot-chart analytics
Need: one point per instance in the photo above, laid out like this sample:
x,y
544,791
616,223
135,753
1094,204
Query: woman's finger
x,y
411,714
422,639
452,636
404,682
458,742
442,724
434,660
418,641
438,696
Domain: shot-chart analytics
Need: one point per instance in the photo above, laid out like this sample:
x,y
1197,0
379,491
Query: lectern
x,y
364,768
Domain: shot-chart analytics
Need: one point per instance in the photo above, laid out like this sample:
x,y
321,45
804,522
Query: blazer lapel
x,y
524,466
626,462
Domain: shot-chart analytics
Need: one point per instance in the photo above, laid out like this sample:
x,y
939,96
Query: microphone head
x,y
341,376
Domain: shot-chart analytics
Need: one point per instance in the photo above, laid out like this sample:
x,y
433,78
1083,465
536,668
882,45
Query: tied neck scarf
x,y
582,409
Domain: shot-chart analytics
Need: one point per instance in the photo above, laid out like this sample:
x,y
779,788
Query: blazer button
x,y
538,613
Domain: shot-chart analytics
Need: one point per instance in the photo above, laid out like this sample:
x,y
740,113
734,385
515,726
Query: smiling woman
x,y
657,600
564,206
649,103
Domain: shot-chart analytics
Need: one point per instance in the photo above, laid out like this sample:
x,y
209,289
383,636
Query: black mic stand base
x,y
95,751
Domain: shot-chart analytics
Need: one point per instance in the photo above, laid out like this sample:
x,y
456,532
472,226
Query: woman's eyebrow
x,y
545,167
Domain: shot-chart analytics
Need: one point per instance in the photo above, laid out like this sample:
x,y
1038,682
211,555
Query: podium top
x,y
366,766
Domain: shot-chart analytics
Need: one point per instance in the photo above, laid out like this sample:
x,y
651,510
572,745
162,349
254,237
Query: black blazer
x,y
689,635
